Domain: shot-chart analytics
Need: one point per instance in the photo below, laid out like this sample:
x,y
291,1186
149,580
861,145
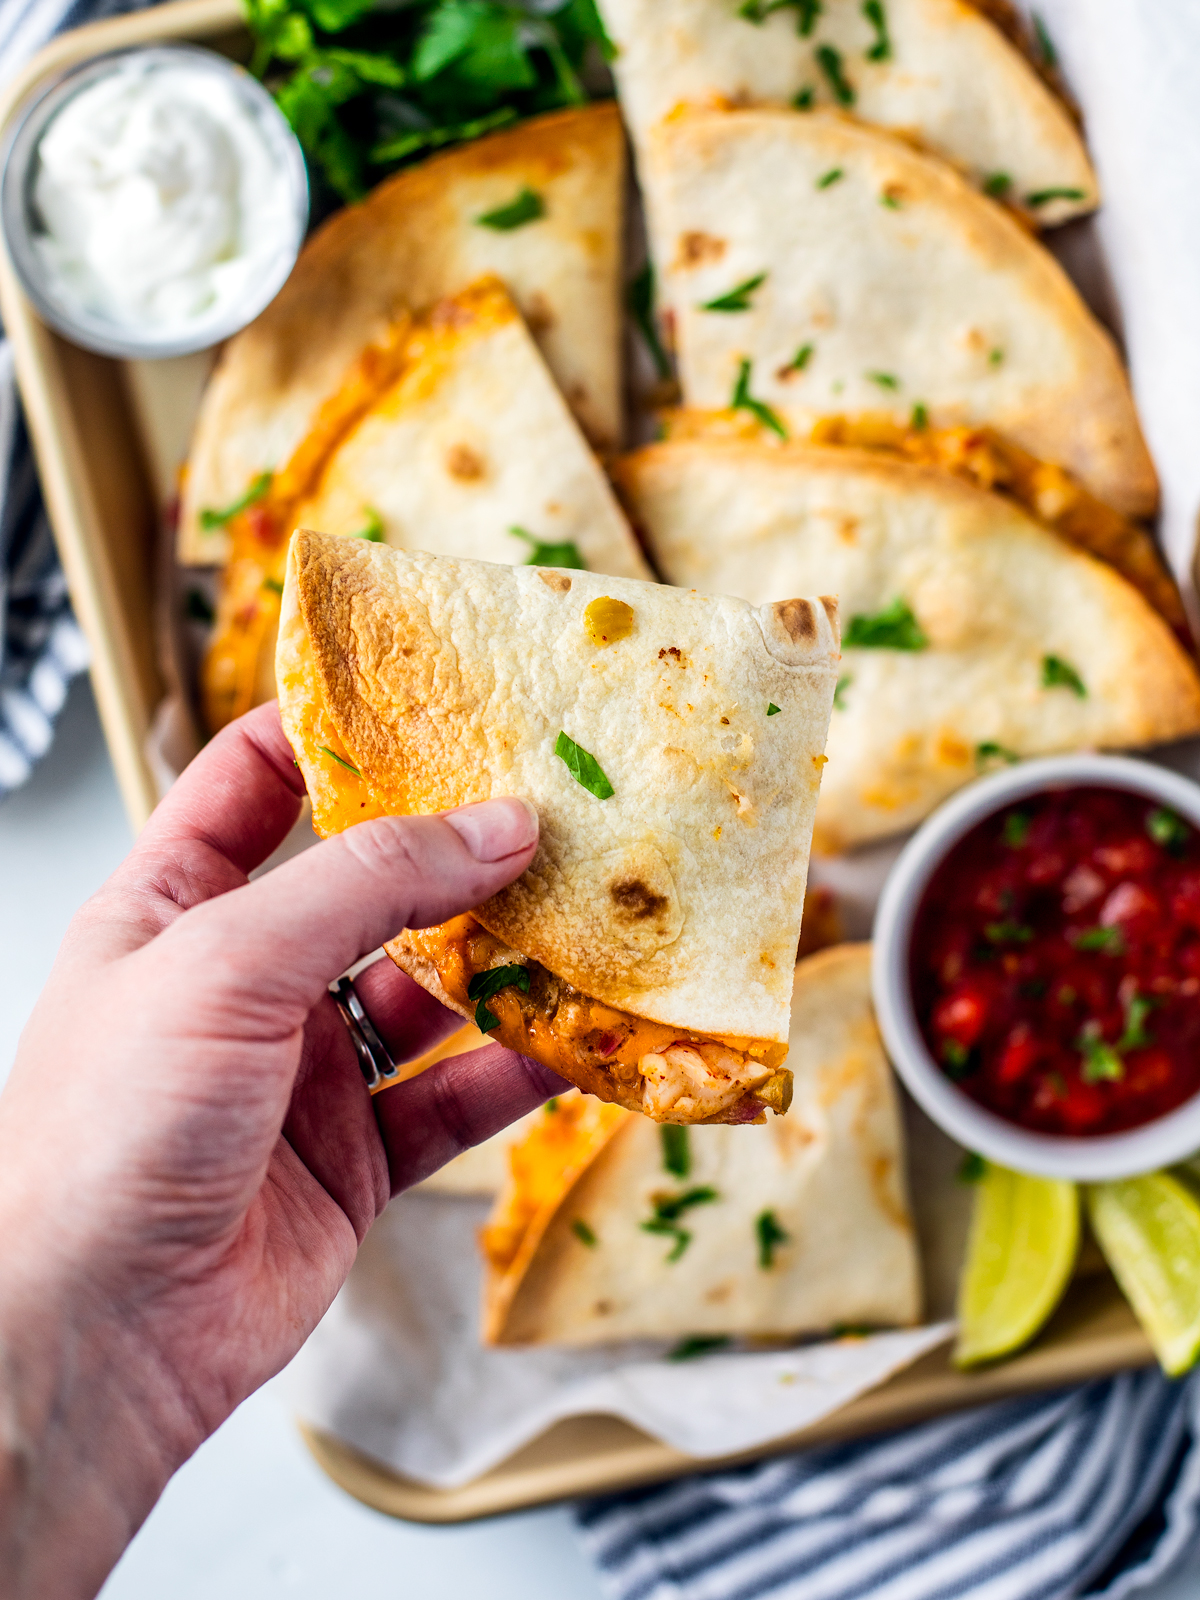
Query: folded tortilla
x,y
672,744
417,238
973,635
607,1230
451,436
937,72
857,274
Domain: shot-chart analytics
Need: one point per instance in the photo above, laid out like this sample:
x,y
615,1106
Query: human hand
x,y
189,1157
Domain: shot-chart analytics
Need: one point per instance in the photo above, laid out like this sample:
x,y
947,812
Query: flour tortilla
x,y
448,681
993,591
831,1174
940,299
415,239
952,83
469,440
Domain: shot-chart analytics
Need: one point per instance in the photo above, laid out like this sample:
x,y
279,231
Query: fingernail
x,y
495,828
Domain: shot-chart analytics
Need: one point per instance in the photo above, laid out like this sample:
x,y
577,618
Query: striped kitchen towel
x,y
41,647
1090,1491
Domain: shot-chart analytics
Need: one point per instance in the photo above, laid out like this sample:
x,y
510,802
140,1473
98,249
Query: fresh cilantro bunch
x,y
368,86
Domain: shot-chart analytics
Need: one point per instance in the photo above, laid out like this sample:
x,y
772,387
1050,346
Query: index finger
x,y
240,796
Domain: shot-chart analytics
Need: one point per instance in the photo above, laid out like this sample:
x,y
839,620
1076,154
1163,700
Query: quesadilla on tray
x,y
972,635
611,1228
450,435
672,744
937,72
816,266
540,205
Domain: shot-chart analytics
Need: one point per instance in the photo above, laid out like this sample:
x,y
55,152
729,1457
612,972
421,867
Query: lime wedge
x,y
1149,1230
1020,1252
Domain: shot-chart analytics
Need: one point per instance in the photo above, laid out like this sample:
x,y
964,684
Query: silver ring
x,y
374,1057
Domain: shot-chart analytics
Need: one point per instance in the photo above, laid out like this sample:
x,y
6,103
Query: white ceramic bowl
x,y
1155,1144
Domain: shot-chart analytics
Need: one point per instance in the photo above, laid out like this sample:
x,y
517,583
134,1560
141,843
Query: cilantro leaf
x,y
197,607
893,628
668,1208
210,518
527,207
770,1237
584,768
742,400
757,11
773,710
801,359
698,1344
830,62
1111,941
1016,829
736,299
989,750
839,692
1060,674
676,1149
484,985
972,1168
1101,1063
372,529
542,553
584,1233
640,301
997,184
881,50
1043,197
1167,830
828,179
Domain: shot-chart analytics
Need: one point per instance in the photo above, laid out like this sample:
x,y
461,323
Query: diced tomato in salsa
x,y
1056,962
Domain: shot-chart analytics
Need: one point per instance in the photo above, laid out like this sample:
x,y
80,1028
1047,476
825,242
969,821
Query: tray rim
x,y
630,1458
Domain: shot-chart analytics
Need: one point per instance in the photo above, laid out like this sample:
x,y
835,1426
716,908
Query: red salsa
x,y
1056,962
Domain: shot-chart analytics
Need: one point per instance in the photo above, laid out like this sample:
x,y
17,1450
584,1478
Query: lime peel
x,y
1021,1251
1149,1231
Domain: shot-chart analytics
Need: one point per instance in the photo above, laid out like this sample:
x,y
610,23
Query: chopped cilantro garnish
x,y
773,710
1109,940
893,628
803,99
698,1344
919,420
197,607
828,179
272,585
1016,829
956,1058
584,768
757,11
1135,1037
584,1234
995,356
218,519
736,299
562,553
830,62
372,528
640,300
885,380
989,750
839,692
997,184
668,1208
484,985
881,50
1007,932
676,1149
972,1168
891,201
1060,674
1101,1063
1046,48
1043,197
527,207
802,357
341,760
1168,830
770,1237
743,400
551,1106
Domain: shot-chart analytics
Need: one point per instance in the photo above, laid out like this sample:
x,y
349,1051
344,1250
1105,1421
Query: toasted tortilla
x,y
949,81
571,1261
888,284
446,437
664,914
994,595
416,239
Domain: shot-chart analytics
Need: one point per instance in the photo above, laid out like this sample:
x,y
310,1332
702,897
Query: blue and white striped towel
x,y
1090,1491
41,647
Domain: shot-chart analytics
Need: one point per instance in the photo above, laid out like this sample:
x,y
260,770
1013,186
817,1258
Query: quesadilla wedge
x,y
672,744
449,435
936,72
614,1229
814,266
973,635
422,235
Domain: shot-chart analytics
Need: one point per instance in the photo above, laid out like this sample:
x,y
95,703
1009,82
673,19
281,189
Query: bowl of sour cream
x,y
153,201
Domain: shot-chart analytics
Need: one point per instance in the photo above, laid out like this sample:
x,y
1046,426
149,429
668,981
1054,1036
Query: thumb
x,y
279,941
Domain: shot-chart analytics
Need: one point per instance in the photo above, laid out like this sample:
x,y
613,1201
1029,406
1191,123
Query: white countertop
x,y
251,1517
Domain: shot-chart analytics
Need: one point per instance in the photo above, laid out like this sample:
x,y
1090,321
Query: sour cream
x,y
162,197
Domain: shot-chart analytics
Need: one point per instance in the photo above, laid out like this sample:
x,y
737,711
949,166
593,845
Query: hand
x,y
189,1158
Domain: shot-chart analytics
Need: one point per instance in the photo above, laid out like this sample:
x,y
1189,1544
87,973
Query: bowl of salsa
x,y
1037,967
